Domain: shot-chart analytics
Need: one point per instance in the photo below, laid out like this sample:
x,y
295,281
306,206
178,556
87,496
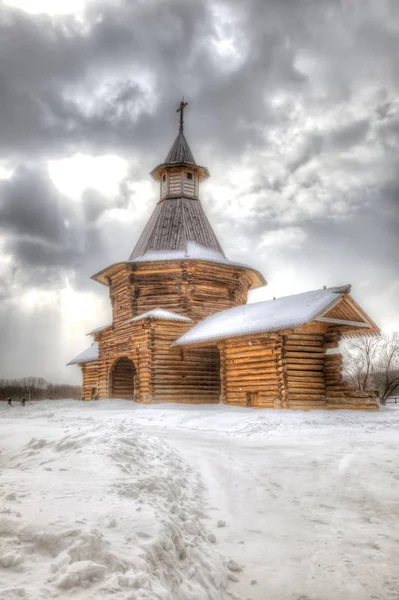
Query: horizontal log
x,y
294,367
251,354
252,360
179,369
291,374
311,397
271,376
305,383
251,388
291,392
254,368
303,361
266,370
304,355
305,336
314,344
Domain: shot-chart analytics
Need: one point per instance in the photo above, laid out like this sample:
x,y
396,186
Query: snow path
x,y
310,502
308,520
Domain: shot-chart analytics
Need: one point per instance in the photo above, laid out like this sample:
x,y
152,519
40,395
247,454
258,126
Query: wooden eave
x,y
347,314
256,278
348,327
158,171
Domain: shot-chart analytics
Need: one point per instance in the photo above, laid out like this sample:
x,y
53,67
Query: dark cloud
x,y
294,101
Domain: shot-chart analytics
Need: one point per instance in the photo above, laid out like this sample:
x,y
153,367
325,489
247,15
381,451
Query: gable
x,y
345,311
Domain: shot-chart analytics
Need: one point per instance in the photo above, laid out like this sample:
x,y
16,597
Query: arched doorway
x,y
122,379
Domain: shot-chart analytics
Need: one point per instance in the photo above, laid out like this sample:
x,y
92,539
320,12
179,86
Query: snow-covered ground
x,y
116,500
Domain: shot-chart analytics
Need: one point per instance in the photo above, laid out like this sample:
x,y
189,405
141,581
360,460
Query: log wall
x,y
293,370
90,379
130,340
193,288
161,373
180,374
303,360
251,371
299,369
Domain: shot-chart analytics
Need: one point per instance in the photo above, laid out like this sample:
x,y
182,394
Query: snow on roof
x,y
164,315
98,329
87,355
193,251
262,317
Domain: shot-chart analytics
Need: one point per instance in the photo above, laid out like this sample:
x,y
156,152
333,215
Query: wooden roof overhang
x,y
351,319
160,169
349,329
256,278
343,313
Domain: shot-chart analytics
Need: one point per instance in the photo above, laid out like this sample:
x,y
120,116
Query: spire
x,y
178,224
180,153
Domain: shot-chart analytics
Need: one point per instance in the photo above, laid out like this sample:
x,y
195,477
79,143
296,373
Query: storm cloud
x,y
293,106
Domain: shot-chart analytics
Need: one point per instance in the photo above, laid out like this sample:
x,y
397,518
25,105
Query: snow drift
x,y
104,510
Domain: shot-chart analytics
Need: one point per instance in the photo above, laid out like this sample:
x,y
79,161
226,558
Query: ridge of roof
x,y
266,316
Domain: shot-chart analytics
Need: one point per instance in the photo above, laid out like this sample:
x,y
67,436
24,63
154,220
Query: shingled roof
x,y
180,152
271,315
173,225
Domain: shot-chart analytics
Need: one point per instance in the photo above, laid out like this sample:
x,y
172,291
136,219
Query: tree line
x,y
37,388
372,363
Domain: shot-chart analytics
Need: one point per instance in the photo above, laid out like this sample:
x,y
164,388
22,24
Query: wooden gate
x,y
122,379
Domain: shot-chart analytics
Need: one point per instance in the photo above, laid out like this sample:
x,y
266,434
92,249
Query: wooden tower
x,y
179,266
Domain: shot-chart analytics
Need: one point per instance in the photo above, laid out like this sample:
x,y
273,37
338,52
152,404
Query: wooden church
x,y
182,330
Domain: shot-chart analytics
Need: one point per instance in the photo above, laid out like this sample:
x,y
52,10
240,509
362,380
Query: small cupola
x,y
179,175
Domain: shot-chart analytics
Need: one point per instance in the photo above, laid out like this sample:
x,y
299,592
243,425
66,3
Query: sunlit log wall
x,y
293,370
90,379
190,375
195,289
162,373
251,371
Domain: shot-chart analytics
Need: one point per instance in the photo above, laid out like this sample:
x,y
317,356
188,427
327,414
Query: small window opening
x,y
189,175
163,177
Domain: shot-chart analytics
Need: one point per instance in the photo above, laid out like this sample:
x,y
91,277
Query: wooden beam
x,y
342,322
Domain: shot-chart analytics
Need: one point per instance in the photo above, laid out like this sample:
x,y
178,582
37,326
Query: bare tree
x,y
386,373
373,363
360,356
37,388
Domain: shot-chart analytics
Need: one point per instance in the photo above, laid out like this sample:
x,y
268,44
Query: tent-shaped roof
x,y
180,152
87,355
161,315
273,315
173,225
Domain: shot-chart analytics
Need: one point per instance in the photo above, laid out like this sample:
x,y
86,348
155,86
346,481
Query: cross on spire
x,y
181,111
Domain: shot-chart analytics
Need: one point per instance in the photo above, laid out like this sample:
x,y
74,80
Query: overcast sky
x,y
293,107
